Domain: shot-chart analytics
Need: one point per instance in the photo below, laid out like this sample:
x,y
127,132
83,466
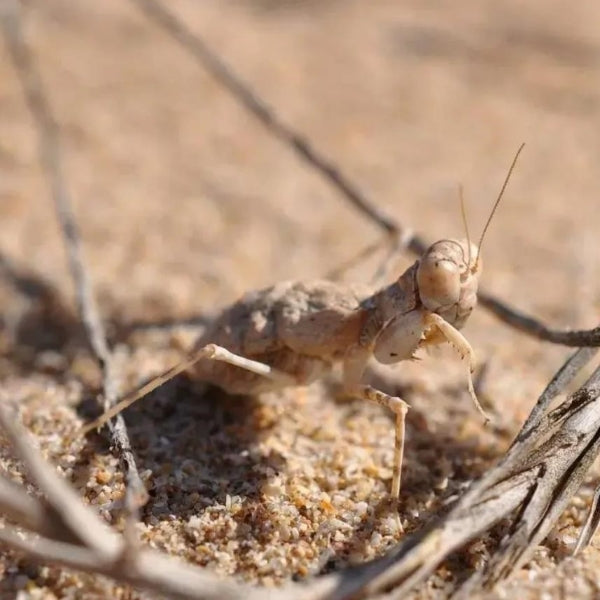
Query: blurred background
x,y
185,201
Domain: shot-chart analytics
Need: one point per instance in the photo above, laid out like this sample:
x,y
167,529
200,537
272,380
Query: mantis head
x,y
448,277
448,273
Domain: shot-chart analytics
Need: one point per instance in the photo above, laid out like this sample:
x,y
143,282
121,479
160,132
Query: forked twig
x,y
401,237
50,157
564,460
531,486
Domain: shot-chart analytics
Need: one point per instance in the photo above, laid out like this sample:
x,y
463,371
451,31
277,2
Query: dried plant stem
x,y
535,328
64,531
50,156
196,46
530,486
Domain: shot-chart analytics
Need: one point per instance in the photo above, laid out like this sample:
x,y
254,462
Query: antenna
x,y
463,212
506,179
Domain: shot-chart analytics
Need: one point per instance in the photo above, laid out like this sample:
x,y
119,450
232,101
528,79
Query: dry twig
x,y
50,157
531,486
62,530
194,44
400,237
533,327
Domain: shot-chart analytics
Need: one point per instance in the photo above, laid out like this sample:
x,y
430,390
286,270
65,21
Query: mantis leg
x,y
214,352
354,367
462,346
211,352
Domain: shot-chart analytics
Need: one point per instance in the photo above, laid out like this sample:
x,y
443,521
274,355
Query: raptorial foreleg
x,y
462,346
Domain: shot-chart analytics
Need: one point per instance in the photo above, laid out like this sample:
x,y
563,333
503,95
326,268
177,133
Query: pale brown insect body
x,y
292,333
297,328
300,329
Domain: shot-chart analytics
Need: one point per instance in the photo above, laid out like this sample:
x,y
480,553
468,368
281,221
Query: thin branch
x,y
50,156
418,555
591,523
68,514
566,458
403,237
536,422
535,328
151,570
242,92
563,377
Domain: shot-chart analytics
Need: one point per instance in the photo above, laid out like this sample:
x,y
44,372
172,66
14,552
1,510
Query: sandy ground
x,y
185,202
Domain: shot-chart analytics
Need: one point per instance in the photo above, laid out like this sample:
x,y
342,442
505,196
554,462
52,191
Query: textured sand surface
x,y
185,202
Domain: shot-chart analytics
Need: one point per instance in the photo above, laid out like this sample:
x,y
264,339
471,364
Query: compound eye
x,y
439,283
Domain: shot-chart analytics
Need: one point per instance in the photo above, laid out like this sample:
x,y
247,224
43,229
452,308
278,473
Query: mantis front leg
x,y
462,346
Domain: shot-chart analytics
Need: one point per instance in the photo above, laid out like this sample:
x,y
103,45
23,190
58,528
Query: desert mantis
x,y
292,333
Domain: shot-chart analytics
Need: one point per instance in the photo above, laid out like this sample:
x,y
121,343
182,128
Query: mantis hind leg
x,y
215,352
208,352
